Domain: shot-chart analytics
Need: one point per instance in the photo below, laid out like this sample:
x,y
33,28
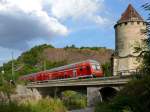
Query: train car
x,y
84,69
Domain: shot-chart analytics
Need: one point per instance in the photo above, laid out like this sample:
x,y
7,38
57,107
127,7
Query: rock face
x,y
75,55
26,94
128,35
21,94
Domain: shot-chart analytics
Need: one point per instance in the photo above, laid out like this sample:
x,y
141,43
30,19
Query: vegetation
x,y
74,100
30,62
71,47
91,48
107,69
146,51
40,58
133,98
44,105
35,60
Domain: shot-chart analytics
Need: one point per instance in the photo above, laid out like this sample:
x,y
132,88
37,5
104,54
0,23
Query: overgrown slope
x,y
45,56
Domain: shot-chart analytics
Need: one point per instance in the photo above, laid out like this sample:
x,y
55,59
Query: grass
x,y
44,105
74,100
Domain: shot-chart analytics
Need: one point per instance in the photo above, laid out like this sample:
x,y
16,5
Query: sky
x,y
26,23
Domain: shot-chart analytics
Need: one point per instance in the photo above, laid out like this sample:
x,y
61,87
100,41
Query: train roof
x,y
72,65
65,66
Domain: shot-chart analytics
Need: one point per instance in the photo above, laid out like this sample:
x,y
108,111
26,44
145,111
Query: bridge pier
x,y
99,94
93,96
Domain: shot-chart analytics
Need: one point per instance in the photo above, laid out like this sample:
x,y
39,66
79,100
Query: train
x,y
79,70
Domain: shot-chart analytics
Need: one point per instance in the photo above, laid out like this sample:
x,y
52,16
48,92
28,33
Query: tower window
x,y
132,23
125,23
138,22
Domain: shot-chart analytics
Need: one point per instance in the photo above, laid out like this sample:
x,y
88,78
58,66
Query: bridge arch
x,y
107,93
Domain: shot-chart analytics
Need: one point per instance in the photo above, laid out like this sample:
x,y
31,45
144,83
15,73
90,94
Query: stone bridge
x,y
97,89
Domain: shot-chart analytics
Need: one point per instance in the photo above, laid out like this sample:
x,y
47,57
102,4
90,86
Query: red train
x,y
84,69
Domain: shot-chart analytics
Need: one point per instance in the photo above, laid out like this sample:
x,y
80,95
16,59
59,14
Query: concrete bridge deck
x,y
97,89
115,80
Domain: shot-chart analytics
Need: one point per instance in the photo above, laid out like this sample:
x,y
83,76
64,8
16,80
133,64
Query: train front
x,y
96,70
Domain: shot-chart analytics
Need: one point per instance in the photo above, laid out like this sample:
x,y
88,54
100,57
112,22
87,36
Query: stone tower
x,y
127,35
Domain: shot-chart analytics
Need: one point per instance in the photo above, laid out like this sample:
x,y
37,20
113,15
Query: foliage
x,y
6,87
44,105
70,47
107,69
133,98
34,60
74,100
146,56
93,48
144,51
29,62
32,57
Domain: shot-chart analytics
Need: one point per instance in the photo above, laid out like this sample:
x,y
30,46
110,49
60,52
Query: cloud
x,y
21,23
78,10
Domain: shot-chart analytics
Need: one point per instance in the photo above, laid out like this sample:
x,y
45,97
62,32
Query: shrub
x,y
74,100
44,105
133,98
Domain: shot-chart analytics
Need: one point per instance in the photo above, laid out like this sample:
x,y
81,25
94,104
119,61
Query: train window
x,y
98,67
80,68
65,75
94,67
88,67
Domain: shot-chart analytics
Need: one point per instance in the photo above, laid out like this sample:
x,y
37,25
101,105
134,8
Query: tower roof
x,y
130,14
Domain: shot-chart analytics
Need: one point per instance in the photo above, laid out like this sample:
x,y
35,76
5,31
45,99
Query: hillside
x,y
74,55
46,56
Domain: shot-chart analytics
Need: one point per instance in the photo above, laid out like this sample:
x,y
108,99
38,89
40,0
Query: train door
x,y
74,73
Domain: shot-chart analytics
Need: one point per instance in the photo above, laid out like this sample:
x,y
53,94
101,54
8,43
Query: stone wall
x,y
128,35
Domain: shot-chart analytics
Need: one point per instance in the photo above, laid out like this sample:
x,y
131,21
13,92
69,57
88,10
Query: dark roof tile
x,y
130,14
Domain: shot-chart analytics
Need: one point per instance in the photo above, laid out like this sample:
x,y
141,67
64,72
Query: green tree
x,y
146,53
107,69
144,50
74,100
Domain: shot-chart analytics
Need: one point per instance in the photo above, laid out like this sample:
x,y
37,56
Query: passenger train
x,y
79,70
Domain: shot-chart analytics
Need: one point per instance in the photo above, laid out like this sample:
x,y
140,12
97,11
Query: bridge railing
x,y
129,72
79,80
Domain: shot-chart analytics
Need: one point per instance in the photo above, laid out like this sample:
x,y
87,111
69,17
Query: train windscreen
x,y
96,67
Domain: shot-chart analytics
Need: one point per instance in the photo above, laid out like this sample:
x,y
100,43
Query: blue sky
x,y
26,23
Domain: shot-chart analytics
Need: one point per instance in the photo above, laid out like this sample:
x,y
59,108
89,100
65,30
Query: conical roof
x,y
130,14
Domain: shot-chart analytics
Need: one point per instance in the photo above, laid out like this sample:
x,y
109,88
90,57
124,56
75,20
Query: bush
x,y
44,105
107,69
74,100
133,98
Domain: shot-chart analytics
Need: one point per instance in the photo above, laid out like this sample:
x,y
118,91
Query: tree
x,y
146,52
107,69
